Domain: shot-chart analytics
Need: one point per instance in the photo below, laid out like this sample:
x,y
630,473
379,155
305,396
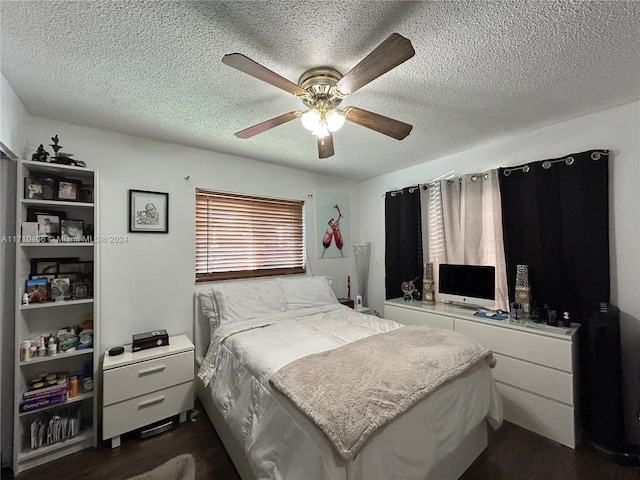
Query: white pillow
x,y
245,300
303,291
210,309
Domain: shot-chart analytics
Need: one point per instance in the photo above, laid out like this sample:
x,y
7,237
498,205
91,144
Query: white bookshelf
x,y
38,319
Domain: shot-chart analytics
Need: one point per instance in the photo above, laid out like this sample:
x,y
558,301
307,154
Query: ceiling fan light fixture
x,y
320,123
311,119
335,120
322,131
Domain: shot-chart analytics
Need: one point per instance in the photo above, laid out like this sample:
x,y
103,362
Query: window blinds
x,y
241,236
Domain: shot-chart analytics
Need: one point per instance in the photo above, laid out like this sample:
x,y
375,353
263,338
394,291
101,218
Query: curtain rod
x,y
547,163
393,193
412,188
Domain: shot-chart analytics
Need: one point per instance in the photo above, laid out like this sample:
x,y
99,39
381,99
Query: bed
x,y
250,336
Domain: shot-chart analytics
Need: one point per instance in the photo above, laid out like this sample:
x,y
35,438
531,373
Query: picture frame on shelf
x,y
49,266
37,289
47,277
60,288
39,188
48,226
69,267
29,232
148,212
48,222
86,268
71,230
80,290
43,266
72,276
68,190
33,213
86,193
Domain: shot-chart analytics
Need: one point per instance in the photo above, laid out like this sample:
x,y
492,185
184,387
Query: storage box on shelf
x,y
55,420
536,370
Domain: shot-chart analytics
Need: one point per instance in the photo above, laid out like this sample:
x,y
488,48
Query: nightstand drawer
x,y
144,377
140,411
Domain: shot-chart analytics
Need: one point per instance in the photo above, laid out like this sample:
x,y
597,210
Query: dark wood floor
x,y
513,454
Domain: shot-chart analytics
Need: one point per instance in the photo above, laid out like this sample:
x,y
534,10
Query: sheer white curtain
x,y
462,223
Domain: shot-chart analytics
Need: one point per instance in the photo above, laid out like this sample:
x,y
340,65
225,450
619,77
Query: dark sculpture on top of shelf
x,y
41,155
62,157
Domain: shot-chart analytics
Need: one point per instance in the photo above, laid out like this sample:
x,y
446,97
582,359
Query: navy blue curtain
x,y
403,241
556,220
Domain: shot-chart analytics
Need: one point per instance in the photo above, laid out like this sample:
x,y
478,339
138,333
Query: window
x,y
241,236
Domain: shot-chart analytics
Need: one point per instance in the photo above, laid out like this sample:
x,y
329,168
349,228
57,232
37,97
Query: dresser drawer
x,y
548,351
136,379
137,412
551,419
411,317
548,382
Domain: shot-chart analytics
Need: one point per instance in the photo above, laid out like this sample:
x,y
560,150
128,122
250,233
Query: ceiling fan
x,y
322,89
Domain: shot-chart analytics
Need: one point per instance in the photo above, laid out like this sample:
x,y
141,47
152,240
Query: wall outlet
x,y
376,263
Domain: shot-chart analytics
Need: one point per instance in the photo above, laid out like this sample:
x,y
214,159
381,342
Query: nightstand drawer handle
x,y
151,370
153,401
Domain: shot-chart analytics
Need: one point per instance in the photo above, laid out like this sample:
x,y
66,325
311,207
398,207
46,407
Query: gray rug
x,y
182,467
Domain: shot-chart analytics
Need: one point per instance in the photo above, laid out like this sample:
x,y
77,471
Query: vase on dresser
x,y
428,295
522,290
362,254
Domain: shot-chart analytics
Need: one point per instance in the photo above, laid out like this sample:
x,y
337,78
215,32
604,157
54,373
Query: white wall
x,y
13,118
617,129
147,282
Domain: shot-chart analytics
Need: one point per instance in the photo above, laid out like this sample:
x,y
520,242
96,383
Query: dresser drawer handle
x,y
151,370
153,401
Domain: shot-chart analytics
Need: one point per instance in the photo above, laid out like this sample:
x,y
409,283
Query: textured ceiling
x,y
481,69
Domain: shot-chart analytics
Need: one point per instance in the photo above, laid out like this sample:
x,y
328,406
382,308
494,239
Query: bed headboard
x,y
271,294
201,334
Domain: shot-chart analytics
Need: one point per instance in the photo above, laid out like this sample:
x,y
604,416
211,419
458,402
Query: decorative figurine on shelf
x,y
63,157
55,147
41,155
408,288
348,287
428,295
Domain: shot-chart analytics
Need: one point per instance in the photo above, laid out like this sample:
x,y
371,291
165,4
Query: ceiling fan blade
x,y
248,66
377,122
264,126
325,146
389,54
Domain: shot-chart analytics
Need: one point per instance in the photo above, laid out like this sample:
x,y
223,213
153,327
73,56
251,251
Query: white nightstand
x,y
140,388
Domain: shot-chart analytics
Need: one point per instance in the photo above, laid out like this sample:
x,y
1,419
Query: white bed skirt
x,y
449,468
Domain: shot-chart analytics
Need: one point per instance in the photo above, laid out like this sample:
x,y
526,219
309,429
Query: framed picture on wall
x,y
148,211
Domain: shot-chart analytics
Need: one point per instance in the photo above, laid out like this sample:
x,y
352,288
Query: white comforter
x,y
280,442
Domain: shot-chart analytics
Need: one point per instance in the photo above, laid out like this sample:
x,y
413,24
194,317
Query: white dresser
x,y
536,370
140,388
